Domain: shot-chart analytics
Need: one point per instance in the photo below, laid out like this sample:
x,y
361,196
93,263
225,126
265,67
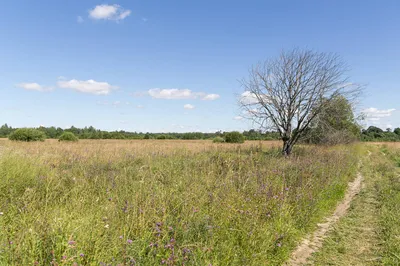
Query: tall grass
x,y
150,203
387,166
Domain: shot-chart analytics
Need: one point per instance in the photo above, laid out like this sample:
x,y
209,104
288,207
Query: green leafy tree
x,y
68,136
234,137
27,134
334,124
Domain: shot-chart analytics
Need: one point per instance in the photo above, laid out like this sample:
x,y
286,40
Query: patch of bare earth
x,y
314,241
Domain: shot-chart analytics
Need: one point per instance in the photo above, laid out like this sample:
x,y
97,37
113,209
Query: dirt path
x,y
314,241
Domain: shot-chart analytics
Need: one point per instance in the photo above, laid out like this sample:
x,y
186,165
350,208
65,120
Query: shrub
x,y
218,140
27,134
161,137
68,136
234,137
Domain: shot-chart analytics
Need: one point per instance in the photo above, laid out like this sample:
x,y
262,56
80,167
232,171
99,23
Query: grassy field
x,y
370,233
163,202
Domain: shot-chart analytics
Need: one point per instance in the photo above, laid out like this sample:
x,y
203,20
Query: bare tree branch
x,y
286,94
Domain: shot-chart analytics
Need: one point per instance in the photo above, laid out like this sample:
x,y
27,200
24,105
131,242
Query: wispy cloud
x,y
87,86
109,12
210,97
238,117
374,114
188,106
176,94
33,87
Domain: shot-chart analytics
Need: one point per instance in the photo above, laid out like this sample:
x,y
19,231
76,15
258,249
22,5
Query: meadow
x,y
155,202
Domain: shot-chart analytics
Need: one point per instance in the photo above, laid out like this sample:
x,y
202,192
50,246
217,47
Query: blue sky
x,y
174,65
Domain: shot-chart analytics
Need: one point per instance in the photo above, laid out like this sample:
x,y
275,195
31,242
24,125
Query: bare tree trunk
x,y
287,148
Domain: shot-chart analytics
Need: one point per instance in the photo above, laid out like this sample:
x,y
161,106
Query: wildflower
x,y
106,226
71,242
82,255
64,257
129,241
1,213
287,189
279,244
120,237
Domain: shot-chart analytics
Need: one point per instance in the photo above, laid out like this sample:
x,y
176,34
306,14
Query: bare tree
x,y
287,93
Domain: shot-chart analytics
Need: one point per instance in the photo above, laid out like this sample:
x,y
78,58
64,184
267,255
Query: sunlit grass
x,y
163,202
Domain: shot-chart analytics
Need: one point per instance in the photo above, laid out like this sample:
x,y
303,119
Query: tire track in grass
x,y
315,240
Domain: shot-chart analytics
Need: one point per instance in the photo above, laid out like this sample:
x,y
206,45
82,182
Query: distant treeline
x,y
93,133
370,134
376,134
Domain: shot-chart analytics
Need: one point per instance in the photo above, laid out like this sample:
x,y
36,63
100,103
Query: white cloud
x,y
210,97
109,12
238,117
88,86
248,97
34,87
374,114
79,19
170,94
188,106
139,106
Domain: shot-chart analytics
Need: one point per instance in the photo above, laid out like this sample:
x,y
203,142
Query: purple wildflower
x,y
129,241
82,255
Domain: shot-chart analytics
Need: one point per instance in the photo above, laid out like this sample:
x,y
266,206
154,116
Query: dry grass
x,y
163,202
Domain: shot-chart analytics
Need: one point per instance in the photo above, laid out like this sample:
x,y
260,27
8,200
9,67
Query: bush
x,y
218,140
68,136
27,134
161,137
234,137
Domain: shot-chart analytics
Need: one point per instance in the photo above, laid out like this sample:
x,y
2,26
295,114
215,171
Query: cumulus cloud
x,y
211,97
188,106
33,87
87,86
248,97
173,94
109,12
374,114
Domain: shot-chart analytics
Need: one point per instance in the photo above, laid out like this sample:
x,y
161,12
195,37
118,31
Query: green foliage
x,y
234,137
68,136
27,134
373,133
218,140
335,124
5,130
161,136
